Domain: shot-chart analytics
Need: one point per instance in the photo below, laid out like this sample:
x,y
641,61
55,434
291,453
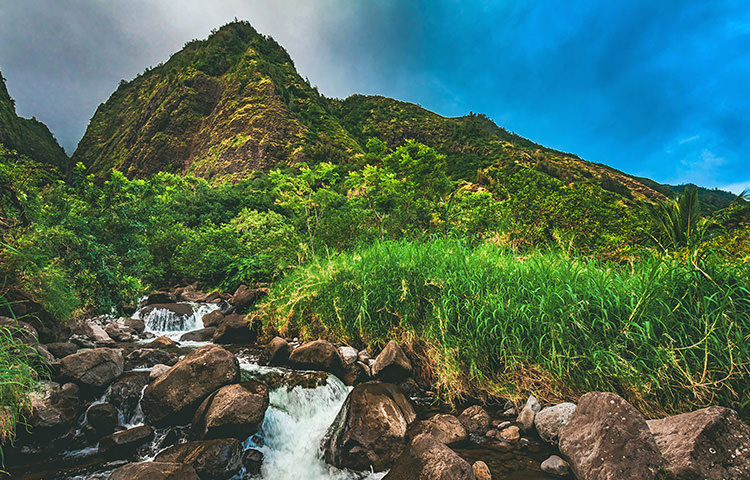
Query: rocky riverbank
x,y
181,389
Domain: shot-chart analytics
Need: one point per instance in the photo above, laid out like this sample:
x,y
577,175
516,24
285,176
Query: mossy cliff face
x,y
28,136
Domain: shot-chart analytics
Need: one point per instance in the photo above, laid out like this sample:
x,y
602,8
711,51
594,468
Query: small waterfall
x,y
165,322
290,437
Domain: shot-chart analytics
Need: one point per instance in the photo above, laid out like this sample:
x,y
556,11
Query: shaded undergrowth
x,y
667,334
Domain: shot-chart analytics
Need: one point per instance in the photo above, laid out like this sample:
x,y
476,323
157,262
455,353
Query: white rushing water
x,y
167,323
292,430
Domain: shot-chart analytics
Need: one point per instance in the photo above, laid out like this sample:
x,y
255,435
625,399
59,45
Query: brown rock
x,y
234,411
159,297
61,349
200,335
191,294
445,428
157,371
212,459
95,368
123,444
154,471
125,392
607,438
276,352
135,323
711,443
97,334
236,329
512,433
148,357
481,471
162,342
102,417
392,364
428,459
475,419
370,429
54,409
176,394
213,319
317,355
245,297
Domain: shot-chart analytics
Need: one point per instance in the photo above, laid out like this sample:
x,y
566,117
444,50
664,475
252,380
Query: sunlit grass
x,y
666,334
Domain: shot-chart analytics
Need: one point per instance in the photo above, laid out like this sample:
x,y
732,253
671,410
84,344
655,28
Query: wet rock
x,y
556,466
116,333
124,444
234,411
157,371
528,413
481,471
201,335
370,429
348,354
411,388
54,409
608,438
252,460
245,297
97,334
317,355
154,471
92,369
175,395
180,310
191,294
212,319
475,419
364,357
276,352
61,349
212,459
125,392
711,443
159,297
549,420
428,459
392,364
445,428
136,324
235,329
103,418
511,434
148,357
162,342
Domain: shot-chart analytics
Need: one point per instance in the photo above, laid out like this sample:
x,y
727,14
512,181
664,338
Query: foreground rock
x,y
53,410
125,392
445,428
711,444
102,417
426,458
212,459
607,438
370,429
176,394
392,365
234,411
92,369
549,421
481,471
154,471
317,355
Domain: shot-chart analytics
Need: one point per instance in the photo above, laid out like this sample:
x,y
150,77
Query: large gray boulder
x,y
317,355
426,458
212,459
154,471
92,369
233,411
607,438
370,429
549,420
175,395
392,364
707,444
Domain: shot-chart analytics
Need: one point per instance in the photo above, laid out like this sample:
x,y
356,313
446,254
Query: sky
x,y
653,88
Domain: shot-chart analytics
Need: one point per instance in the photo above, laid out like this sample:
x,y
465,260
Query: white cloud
x,y
737,187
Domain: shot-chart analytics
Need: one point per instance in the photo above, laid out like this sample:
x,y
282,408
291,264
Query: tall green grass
x,y
666,334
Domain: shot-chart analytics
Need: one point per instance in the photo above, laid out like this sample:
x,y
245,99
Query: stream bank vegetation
x,y
513,283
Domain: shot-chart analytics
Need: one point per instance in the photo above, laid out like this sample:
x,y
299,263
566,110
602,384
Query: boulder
x,y
159,297
276,352
475,419
392,364
154,471
556,466
126,391
180,310
212,319
235,329
528,413
481,471
233,411
212,459
245,297
137,324
116,333
102,417
549,420
317,355
608,438
157,371
125,443
445,428
348,354
148,357
200,335
92,369
426,458
54,409
711,443
370,429
97,334
162,342
175,395
191,294
61,349
252,459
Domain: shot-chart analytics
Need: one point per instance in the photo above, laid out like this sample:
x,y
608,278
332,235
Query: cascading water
x,y
290,437
165,322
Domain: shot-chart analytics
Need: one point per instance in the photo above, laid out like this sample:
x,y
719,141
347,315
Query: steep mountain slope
x,y
224,106
28,136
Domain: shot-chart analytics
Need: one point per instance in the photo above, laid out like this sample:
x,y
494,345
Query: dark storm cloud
x,y
652,88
